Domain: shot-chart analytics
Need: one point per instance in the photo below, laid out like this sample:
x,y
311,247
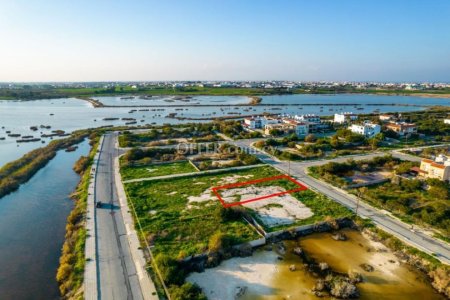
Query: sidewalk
x,y
147,286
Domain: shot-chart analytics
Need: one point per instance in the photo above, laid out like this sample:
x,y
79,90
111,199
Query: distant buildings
x,y
367,129
345,117
439,168
300,125
402,128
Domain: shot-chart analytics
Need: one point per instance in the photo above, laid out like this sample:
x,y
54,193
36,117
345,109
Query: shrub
x,y
187,291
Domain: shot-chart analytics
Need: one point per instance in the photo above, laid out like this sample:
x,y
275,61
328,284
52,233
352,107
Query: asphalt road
x,y
116,271
390,224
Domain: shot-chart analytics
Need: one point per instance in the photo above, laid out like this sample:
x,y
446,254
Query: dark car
x,y
99,204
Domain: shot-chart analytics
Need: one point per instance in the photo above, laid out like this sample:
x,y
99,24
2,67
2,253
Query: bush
x,y
81,164
170,269
219,242
187,291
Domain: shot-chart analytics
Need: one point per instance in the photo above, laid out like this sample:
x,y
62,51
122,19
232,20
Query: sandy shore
x,y
254,273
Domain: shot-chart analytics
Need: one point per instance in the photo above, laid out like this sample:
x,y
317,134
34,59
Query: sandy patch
x,y
233,179
381,258
274,211
255,273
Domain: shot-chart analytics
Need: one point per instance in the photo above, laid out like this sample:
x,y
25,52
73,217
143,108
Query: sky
x,y
146,40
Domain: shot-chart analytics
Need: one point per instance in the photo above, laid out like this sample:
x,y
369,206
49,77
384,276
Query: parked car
x,y
99,204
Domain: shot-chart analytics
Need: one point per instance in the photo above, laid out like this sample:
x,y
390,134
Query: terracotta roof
x,y
439,166
427,160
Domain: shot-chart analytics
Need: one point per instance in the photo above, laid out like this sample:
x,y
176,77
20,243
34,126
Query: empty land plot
x,y
154,170
180,215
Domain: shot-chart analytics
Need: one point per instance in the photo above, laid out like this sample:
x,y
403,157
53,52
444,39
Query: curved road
x,y
416,238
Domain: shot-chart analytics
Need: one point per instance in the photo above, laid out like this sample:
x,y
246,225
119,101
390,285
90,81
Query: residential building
x,y
311,118
439,168
446,121
402,128
300,128
260,122
345,117
386,118
283,127
367,129
314,122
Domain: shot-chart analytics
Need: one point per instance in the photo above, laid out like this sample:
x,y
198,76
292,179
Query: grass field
x,y
178,227
154,170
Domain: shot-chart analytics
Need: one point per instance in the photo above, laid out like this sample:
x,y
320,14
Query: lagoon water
x,y
32,228
71,114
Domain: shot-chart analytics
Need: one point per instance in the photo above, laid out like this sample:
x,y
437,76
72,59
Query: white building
x,y
367,129
446,121
345,117
314,122
260,122
311,118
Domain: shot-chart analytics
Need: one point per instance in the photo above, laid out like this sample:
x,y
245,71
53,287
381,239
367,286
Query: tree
x,y
310,138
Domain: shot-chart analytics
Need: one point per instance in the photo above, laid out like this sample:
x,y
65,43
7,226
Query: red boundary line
x,y
232,185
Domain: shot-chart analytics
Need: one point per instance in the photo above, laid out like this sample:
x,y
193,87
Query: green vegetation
x,y
414,201
344,142
177,228
195,133
430,152
231,156
154,170
234,129
28,92
72,261
13,174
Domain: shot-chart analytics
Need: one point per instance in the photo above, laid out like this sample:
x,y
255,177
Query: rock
x,y
367,267
281,249
279,258
245,250
292,268
320,286
298,251
354,277
240,291
323,266
391,261
344,289
213,260
338,236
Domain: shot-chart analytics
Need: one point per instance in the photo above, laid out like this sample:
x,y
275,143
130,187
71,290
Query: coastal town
x,y
225,150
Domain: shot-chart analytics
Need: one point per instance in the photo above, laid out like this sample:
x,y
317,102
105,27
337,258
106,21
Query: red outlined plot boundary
x,y
216,189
